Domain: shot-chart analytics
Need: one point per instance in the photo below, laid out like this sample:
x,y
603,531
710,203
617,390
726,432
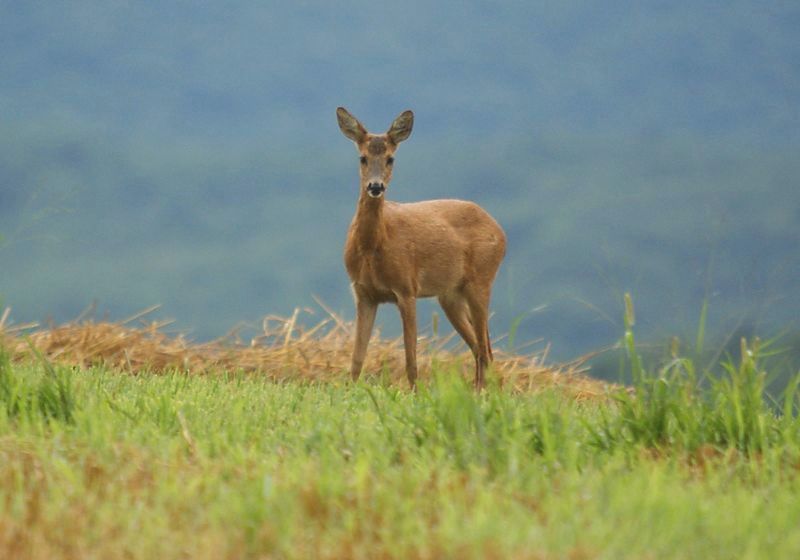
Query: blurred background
x,y
187,154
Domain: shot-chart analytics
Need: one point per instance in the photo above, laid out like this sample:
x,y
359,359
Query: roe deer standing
x,y
397,253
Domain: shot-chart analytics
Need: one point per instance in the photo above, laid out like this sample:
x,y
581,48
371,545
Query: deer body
x,y
397,253
424,249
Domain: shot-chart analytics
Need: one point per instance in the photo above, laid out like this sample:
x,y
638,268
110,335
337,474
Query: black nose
x,y
376,189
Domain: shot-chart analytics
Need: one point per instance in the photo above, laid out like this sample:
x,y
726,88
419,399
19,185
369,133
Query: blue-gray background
x,y
187,154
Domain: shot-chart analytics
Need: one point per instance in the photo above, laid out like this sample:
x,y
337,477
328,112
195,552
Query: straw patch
x,y
283,350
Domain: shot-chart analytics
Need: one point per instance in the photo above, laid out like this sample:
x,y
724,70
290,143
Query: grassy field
x,y
109,462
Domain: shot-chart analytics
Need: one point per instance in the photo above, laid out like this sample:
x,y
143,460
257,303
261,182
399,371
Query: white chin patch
x,y
375,194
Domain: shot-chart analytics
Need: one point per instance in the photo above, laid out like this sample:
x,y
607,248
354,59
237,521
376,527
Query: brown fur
x,y
377,146
449,249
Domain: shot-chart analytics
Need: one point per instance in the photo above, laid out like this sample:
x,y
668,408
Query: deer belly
x,y
439,279
426,274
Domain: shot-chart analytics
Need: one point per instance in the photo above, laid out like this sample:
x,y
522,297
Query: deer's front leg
x,y
365,319
408,314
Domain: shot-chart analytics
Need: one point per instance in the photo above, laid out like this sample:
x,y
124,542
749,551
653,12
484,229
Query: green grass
x,y
98,463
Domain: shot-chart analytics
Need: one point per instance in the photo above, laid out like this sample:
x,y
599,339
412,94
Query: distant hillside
x,y
188,155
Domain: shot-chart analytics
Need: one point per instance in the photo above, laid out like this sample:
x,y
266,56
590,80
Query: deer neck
x,y
369,228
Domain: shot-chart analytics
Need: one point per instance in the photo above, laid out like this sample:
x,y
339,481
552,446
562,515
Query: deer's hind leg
x,y
457,312
478,303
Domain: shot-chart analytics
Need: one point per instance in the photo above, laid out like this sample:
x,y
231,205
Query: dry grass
x,y
284,349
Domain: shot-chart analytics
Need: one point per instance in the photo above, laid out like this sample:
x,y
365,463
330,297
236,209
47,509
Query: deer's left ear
x,y
401,127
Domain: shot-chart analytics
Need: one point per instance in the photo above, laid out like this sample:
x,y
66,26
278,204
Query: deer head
x,y
376,151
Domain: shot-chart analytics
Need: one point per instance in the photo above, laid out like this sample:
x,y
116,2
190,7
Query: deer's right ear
x,y
350,126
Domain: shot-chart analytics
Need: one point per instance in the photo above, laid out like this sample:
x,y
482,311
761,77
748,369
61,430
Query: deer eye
x,y
363,160
389,160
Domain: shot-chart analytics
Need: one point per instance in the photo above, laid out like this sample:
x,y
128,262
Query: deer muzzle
x,y
376,190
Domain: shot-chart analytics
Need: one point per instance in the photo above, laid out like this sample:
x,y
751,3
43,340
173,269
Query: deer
x,y
399,252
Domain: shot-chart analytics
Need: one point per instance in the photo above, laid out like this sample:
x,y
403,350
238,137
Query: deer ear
x,y
401,127
350,126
